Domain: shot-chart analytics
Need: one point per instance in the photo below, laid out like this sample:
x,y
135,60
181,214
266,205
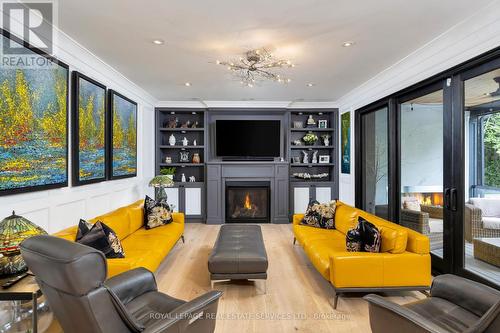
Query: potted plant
x,y
310,139
169,172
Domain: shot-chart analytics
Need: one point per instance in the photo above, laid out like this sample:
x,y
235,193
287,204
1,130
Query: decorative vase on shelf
x,y
326,140
185,141
196,158
315,157
183,178
171,140
305,158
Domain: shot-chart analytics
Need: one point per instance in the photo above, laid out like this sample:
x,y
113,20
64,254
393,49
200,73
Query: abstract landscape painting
x,y
345,141
33,125
89,130
123,127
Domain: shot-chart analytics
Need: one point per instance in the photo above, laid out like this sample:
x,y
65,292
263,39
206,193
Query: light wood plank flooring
x,y
297,296
295,291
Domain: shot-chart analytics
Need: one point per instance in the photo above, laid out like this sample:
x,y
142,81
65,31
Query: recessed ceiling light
x,y
158,42
348,43
187,84
310,84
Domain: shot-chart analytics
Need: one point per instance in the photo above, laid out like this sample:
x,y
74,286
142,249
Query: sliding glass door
x,y
480,243
428,158
375,166
423,160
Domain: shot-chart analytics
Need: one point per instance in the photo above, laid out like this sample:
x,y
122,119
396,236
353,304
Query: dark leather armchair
x,y
456,305
72,277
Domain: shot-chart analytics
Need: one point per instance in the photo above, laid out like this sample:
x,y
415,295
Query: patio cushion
x,y
491,222
490,207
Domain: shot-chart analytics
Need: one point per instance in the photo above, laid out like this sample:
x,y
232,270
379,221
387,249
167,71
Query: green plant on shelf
x,y
310,139
168,171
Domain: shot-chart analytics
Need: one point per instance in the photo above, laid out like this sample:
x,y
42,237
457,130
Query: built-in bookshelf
x,y
188,124
322,123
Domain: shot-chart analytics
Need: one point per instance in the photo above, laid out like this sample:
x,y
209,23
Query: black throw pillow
x,y
100,237
320,215
156,213
364,238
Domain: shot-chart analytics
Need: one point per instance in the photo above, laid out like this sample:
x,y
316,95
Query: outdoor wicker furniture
x,y
475,218
488,250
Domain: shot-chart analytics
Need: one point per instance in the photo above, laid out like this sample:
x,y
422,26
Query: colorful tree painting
x,y
89,141
124,136
33,126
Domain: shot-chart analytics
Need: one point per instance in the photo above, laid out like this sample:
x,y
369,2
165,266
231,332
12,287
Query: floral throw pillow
x,y
364,238
100,237
320,215
156,213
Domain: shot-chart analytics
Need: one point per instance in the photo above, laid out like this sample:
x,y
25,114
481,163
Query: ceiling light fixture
x,y
310,84
187,84
158,42
348,43
258,65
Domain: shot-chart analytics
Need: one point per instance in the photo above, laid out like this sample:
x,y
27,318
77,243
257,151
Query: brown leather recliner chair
x,y
456,305
72,277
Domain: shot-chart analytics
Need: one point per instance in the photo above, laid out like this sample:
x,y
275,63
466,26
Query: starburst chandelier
x,y
258,65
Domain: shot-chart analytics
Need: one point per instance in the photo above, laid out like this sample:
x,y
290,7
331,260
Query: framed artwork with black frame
x,y
122,113
89,130
33,120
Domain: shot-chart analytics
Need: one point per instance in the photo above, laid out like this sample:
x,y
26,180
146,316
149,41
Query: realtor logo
x,y
30,21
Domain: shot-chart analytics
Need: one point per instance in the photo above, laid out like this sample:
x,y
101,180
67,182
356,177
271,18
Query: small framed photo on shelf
x,y
324,159
322,123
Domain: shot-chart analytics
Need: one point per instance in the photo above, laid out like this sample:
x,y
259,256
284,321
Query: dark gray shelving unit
x,y
188,197
304,190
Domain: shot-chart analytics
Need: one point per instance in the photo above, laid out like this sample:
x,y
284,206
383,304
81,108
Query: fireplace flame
x,y
248,203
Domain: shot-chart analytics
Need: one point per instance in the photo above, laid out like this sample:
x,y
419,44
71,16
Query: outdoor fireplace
x,y
426,195
247,202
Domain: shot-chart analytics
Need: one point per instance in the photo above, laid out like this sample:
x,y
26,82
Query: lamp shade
x,y
13,230
161,181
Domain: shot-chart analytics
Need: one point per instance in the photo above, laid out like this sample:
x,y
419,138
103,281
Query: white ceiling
x,y
309,32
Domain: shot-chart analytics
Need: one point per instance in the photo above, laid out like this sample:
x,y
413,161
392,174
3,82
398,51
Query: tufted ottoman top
x,y
239,249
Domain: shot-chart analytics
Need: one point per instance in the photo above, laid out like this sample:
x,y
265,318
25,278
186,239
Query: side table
x,y
25,290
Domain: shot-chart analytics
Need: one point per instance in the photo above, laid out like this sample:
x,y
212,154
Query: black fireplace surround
x,y
248,202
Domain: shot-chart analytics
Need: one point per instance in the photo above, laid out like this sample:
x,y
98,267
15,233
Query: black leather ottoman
x,y
239,253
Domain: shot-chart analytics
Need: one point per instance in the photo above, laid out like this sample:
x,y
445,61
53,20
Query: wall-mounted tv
x,y
248,139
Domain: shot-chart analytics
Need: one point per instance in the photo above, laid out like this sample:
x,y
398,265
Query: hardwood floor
x,y
297,296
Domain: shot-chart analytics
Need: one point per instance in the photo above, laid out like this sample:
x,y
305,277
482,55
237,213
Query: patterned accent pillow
x,y
320,215
156,213
364,238
100,237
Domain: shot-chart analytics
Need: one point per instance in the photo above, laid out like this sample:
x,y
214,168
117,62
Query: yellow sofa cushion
x,y
393,236
319,252
117,220
136,215
305,234
346,217
363,269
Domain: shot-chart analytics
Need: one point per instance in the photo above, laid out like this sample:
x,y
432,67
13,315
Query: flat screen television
x,y
247,139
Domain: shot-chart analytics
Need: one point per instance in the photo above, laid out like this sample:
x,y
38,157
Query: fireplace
x,y
247,201
426,195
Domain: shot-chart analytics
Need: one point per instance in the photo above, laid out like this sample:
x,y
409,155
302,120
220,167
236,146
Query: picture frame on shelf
x,y
90,142
323,123
34,129
122,123
324,159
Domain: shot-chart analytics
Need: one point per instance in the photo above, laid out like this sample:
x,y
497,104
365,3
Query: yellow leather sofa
x,y
143,248
404,262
